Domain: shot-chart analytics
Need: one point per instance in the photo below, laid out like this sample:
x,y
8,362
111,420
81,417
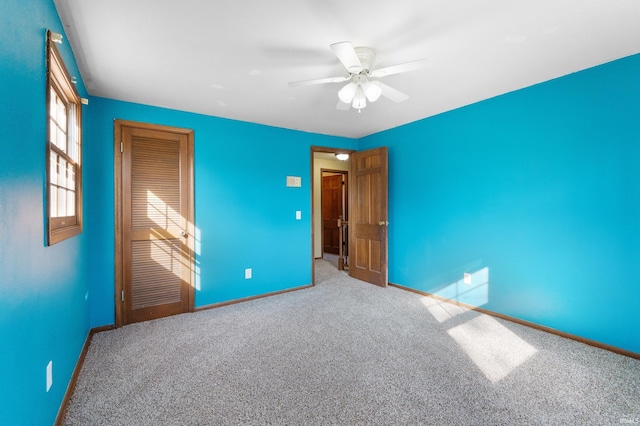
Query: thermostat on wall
x,y
294,181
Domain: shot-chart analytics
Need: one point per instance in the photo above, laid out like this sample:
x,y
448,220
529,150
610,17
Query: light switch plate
x,y
294,181
298,215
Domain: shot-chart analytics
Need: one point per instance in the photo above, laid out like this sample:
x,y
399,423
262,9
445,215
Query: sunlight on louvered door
x,y
157,259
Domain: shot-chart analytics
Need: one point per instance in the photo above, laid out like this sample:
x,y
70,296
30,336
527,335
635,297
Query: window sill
x,y
57,235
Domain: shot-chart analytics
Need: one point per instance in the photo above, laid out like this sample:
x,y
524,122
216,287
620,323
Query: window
x,y
64,149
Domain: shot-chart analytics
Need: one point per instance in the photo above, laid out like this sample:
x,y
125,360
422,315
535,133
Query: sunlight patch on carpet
x,y
442,311
496,350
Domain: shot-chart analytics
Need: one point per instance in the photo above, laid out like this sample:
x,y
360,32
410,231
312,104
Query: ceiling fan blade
x,y
347,54
391,93
319,81
396,69
342,106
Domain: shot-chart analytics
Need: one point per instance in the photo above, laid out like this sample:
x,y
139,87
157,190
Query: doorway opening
x,y
330,197
368,211
334,200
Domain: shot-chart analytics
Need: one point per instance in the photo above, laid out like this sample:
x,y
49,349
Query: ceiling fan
x,y
359,62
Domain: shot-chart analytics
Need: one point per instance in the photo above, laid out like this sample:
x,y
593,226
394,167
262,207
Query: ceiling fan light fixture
x,y
359,100
347,93
371,91
358,61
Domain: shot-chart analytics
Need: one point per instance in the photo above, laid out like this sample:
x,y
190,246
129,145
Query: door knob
x,y
183,233
383,223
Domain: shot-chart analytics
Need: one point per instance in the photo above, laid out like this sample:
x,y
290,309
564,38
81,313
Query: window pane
x,y
53,201
67,174
53,167
72,132
62,171
61,139
61,115
52,102
71,147
71,203
71,176
58,120
53,132
62,202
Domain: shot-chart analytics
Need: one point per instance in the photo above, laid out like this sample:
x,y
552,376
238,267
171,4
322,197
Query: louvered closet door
x,y
157,259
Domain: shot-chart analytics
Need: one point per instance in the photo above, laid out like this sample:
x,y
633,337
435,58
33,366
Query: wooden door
x,y
332,210
156,221
369,215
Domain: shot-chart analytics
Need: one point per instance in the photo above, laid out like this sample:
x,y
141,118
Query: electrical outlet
x,y
247,274
49,375
298,215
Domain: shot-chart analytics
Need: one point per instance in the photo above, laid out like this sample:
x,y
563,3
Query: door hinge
x,y
121,147
122,296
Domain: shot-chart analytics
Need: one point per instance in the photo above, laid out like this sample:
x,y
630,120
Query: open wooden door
x,y
368,217
154,221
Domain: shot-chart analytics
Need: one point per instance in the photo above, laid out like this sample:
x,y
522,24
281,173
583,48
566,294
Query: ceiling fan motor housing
x,y
366,56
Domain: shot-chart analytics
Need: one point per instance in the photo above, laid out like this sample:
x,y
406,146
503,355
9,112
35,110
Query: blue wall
x,y
52,295
538,190
542,187
44,312
245,215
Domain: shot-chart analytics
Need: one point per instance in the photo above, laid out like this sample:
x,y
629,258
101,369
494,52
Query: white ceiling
x,y
234,58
